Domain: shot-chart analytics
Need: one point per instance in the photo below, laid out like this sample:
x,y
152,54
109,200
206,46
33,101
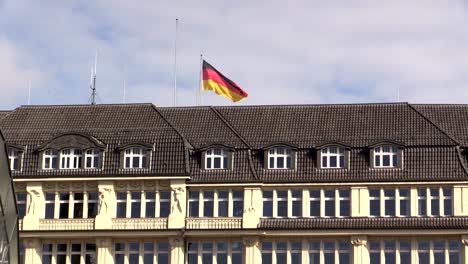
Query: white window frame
x,y
439,198
380,153
94,155
70,158
396,200
68,253
15,156
156,252
217,153
142,154
229,244
201,202
71,202
280,153
128,200
327,153
50,155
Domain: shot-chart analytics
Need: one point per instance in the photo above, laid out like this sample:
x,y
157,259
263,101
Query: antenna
x,y
175,62
93,81
200,81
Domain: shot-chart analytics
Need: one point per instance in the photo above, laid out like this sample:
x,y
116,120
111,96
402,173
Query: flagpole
x,y
200,84
175,62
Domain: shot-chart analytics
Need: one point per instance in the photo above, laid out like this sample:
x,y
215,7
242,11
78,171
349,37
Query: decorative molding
x,y
103,242
464,240
176,242
139,223
359,240
251,241
214,223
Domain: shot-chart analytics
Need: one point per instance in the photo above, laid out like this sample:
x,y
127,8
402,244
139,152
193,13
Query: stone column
x,y
253,207
464,249
460,200
359,202
107,206
104,250
177,250
360,249
178,204
32,250
35,209
253,254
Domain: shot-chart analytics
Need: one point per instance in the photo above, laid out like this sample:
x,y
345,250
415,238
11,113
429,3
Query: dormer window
x,y
49,159
280,158
332,157
14,157
386,156
70,158
135,158
92,159
216,158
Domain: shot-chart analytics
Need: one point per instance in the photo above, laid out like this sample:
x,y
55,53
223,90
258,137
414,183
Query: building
x,y
135,183
8,214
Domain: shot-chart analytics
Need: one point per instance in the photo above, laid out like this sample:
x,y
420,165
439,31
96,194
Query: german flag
x,y
214,80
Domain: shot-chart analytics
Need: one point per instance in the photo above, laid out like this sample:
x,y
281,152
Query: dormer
x,y
386,154
135,155
280,156
333,156
15,157
217,157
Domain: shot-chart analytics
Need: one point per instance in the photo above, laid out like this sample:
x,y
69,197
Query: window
x,y
93,204
135,204
135,158
386,156
63,205
150,251
157,204
388,251
332,157
21,201
49,159
70,158
73,251
92,159
280,158
331,251
215,203
390,202
333,203
435,201
296,196
225,252
282,203
267,203
315,204
78,199
217,158
14,157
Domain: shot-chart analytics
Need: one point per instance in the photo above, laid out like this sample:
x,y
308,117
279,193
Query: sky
x,y
280,52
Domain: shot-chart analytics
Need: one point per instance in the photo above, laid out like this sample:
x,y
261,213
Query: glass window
x,y
75,253
423,251
390,251
385,156
447,201
281,251
282,203
90,254
280,158
404,197
64,202
14,157
314,198
405,250
422,202
61,256
70,158
220,250
296,252
135,204
150,200
296,196
238,203
133,252
194,197
223,203
49,205
119,253
345,203
93,204
314,252
78,199
121,204
49,159
374,198
329,198
208,203
374,251
47,253
216,159
135,158
21,200
332,157
267,251
434,201
267,203
389,202
236,252
92,157
454,251
164,203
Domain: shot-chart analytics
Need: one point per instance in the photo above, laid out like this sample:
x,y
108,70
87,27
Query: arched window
x,y
14,157
135,158
70,158
216,158
386,156
92,159
49,159
280,158
332,157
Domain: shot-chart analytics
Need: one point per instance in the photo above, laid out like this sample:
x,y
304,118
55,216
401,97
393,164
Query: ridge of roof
x,y
221,117
84,105
435,125
287,105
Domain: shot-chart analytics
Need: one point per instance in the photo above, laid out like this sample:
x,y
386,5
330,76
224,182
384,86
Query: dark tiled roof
x,y
452,119
365,223
113,125
3,114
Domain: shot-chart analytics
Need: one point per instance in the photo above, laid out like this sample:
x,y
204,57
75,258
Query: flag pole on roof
x,y
93,81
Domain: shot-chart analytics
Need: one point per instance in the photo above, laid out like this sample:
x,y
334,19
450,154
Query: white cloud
x,y
281,52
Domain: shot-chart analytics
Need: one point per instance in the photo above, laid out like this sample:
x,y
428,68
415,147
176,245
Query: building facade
x,y
135,183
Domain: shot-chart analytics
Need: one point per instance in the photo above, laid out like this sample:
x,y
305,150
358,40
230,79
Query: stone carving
x,y
176,193
251,241
176,242
103,198
33,195
464,240
358,240
249,210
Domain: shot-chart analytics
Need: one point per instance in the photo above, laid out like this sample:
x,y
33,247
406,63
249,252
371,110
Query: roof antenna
x,y
93,81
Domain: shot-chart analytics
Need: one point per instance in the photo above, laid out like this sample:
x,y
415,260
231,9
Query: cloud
x,y
281,52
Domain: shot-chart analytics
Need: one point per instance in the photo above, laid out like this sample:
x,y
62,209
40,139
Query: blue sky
x,y
280,52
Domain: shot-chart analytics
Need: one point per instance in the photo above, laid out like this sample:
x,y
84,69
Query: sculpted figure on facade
x,y
103,197
33,195
176,193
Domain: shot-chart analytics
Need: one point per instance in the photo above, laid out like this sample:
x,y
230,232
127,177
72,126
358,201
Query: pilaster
x,y
107,205
177,250
178,204
464,248
359,201
253,207
460,200
104,250
35,209
253,253
360,249
32,250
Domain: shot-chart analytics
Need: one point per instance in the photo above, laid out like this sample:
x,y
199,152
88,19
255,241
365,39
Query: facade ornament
x,y
176,242
103,242
251,241
103,197
249,210
33,195
176,193
464,240
359,240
